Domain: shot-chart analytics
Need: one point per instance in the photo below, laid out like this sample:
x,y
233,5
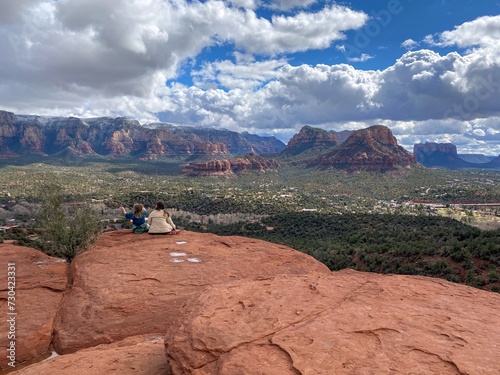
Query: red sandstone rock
x,y
228,168
372,149
129,284
39,283
133,356
341,323
314,136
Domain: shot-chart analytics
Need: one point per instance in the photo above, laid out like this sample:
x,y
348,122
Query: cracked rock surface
x,y
345,322
133,284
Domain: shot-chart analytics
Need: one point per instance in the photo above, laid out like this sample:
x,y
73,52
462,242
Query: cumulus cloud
x,y
103,57
112,48
484,32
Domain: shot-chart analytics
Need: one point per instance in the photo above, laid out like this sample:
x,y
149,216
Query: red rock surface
x,y
228,168
39,283
138,355
342,323
315,136
129,284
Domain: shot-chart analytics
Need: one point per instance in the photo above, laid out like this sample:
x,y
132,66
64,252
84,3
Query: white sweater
x,y
160,222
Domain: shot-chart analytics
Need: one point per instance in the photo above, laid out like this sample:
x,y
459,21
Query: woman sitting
x,y
160,221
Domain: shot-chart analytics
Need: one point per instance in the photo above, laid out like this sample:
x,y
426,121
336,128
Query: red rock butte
x,y
204,304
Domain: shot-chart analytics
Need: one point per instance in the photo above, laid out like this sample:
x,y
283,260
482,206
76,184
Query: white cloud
x,y
244,75
410,44
483,31
287,5
247,4
301,32
364,57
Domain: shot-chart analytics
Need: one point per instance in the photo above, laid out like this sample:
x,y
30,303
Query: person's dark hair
x,y
160,206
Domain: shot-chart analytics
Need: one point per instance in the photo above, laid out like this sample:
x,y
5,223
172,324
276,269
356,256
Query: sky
x,y
427,69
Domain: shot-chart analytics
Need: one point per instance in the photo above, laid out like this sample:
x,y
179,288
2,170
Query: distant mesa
x,y
231,167
444,155
373,149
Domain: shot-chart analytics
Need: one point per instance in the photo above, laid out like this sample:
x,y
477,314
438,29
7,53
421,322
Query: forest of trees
x,y
411,245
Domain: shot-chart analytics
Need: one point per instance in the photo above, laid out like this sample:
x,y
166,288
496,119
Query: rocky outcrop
x,y
310,140
373,149
213,168
129,285
137,355
343,323
122,137
231,167
203,304
36,287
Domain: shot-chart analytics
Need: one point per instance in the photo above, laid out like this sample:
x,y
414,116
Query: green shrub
x,y
67,229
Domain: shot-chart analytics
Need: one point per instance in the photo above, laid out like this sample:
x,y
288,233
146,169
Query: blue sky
x,y
429,70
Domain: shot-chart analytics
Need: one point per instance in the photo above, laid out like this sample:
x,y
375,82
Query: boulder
x,y
138,355
40,281
345,322
131,284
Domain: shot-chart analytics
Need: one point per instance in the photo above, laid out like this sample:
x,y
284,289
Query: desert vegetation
x,y
413,222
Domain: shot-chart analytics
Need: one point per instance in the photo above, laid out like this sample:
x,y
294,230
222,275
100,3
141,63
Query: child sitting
x,y
138,218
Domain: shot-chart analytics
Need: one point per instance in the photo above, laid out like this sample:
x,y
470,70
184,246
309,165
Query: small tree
x,y
68,230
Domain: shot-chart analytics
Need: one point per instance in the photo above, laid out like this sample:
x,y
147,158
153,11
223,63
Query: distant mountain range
x,y
118,137
208,151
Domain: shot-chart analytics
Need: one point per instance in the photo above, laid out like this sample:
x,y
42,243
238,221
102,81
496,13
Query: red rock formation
x,y
128,284
214,168
373,149
343,323
228,168
309,134
313,140
233,305
39,283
